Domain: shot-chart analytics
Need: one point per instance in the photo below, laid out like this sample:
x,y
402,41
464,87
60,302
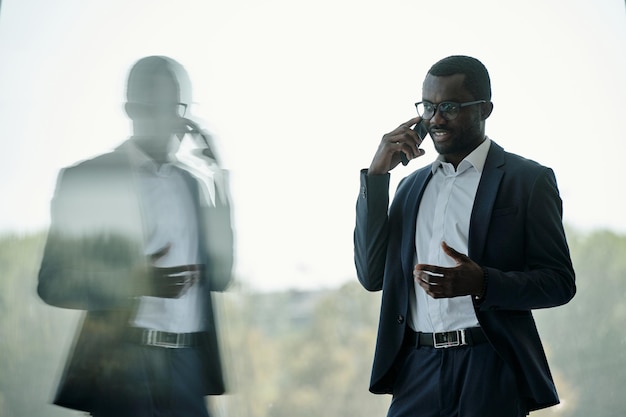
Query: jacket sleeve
x,y
84,265
545,277
372,230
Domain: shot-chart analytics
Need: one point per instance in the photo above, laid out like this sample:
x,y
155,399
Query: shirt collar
x,y
140,159
476,158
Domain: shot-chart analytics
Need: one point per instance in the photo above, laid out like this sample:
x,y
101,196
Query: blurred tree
x,y
584,339
330,362
34,338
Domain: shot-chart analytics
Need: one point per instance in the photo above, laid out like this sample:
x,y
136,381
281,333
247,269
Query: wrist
x,y
376,171
483,288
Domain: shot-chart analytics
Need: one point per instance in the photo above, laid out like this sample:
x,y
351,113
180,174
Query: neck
x,y
456,158
156,147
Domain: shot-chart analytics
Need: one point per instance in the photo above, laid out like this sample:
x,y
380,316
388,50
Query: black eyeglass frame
x,y
445,113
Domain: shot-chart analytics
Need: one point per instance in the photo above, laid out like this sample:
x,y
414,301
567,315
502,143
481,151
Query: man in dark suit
x,y
140,239
469,246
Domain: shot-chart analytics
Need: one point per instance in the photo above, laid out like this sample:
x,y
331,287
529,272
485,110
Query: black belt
x,y
149,337
455,338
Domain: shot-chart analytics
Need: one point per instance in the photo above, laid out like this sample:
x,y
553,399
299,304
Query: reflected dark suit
x,y
94,246
516,234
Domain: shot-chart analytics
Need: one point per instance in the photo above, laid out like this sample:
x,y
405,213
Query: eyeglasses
x,y
181,109
162,108
448,109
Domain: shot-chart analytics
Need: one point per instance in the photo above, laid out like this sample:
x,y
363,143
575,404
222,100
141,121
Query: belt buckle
x,y
449,339
159,339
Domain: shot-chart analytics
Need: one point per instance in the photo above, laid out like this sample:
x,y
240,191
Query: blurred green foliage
x,y
298,353
34,337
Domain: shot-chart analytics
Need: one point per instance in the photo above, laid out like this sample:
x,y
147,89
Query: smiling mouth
x,y
439,134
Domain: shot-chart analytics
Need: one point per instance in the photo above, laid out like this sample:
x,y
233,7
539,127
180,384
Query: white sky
x,y
299,95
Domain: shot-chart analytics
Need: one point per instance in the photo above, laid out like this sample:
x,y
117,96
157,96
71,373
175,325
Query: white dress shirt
x,y
444,215
169,218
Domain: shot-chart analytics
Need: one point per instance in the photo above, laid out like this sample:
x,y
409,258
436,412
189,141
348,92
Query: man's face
x,y
456,138
158,109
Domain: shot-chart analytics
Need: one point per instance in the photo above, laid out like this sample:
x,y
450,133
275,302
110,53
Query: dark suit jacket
x,y
94,248
516,233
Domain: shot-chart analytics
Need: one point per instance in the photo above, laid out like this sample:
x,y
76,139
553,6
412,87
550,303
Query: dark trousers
x,y
158,382
470,381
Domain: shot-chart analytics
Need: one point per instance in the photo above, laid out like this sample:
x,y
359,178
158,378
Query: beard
x,y
460,140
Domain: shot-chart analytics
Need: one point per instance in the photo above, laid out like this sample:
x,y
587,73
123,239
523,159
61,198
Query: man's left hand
x,y
466,278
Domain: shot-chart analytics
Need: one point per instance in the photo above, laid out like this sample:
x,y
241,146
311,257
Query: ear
x,y
486,109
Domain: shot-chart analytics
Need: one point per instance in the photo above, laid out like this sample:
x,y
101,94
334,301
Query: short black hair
x,y
476,80
142,75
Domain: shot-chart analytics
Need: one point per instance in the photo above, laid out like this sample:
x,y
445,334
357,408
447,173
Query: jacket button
x,y
400,319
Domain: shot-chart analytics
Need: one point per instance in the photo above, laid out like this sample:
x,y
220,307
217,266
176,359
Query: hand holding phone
x,y
397,146
206,142
421,131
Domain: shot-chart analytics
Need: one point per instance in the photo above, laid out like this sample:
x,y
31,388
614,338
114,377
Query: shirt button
x,y
400,319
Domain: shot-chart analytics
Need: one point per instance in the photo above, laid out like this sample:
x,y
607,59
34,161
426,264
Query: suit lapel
x,y
484,201
411,205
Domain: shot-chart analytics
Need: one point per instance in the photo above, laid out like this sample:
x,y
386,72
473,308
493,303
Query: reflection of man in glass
x,y
140,242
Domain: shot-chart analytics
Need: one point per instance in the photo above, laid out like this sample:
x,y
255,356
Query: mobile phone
x,y
197,132
421,131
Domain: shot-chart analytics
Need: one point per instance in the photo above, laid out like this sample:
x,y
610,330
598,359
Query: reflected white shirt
x,y
169,218
444,215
